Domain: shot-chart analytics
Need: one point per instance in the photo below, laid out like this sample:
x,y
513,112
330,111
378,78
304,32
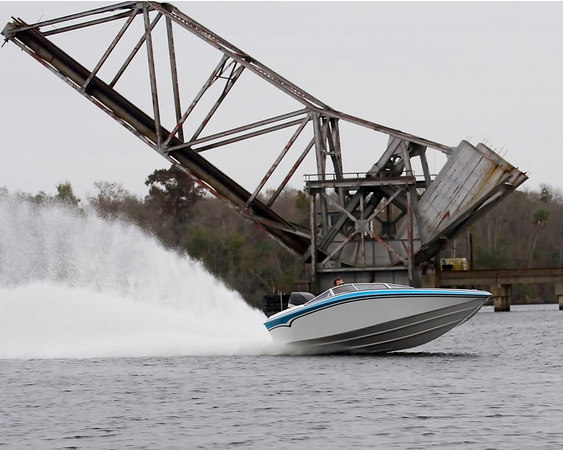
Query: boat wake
x,y
73,285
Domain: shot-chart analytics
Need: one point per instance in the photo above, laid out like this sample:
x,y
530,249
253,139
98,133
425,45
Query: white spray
x,y
74,285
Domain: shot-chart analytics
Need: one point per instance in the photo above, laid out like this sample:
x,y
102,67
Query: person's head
x,y
338,282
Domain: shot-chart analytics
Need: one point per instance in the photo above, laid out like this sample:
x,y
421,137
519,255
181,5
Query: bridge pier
x,y
429,279
559,295
501,296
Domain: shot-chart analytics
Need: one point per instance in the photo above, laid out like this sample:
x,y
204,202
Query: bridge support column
x,y
501,296
429,280
559,295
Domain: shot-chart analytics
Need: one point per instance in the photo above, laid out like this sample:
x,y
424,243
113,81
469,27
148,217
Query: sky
x,y
447,71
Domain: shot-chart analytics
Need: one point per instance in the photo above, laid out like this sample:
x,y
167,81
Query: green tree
x,y
172,196
242,255
540,220
113,201
65,195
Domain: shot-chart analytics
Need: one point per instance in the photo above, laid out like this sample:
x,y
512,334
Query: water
x,y
74,285
107,341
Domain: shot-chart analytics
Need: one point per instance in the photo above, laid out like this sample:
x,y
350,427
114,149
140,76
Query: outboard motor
x,y
299,298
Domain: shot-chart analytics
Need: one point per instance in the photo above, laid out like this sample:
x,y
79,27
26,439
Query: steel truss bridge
x,y
380,223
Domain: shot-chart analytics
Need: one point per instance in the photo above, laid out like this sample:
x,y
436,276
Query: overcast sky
x,y
445,71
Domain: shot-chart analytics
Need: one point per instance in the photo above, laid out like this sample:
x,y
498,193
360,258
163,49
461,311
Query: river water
x,y
108,341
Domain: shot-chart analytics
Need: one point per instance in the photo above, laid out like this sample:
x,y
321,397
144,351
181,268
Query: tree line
x,y
523,231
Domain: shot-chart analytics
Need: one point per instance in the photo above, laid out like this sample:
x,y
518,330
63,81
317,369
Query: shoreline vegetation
x,y
524,231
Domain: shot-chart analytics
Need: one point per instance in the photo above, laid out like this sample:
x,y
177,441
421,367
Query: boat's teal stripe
x,y
291,315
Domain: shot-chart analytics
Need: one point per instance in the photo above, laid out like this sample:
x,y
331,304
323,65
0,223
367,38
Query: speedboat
x,y
371,317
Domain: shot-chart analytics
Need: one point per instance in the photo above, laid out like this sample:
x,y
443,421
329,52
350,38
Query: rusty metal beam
x,y
80,15
88,24
144,126
360,198
132,54
240,129
212,78
152,73
175,85
279,159
253,134
232,79
282,185
111,47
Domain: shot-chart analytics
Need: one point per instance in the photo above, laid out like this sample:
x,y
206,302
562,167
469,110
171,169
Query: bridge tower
x,y
380,222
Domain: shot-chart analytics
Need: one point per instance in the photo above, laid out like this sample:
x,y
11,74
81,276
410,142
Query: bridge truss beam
x,y
363,221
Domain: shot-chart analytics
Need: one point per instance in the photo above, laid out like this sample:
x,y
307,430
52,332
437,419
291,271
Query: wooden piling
x,y
559,294
501,296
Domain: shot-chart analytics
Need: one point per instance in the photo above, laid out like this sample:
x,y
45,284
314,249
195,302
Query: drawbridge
x,y
191,95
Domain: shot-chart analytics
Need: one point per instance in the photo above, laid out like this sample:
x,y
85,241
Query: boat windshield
x,y
371,286
343,289
354,287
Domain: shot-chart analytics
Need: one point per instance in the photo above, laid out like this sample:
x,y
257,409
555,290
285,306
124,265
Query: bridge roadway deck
x,y
499,277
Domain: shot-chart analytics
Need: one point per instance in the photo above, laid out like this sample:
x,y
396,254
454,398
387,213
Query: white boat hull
x,y
375,322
